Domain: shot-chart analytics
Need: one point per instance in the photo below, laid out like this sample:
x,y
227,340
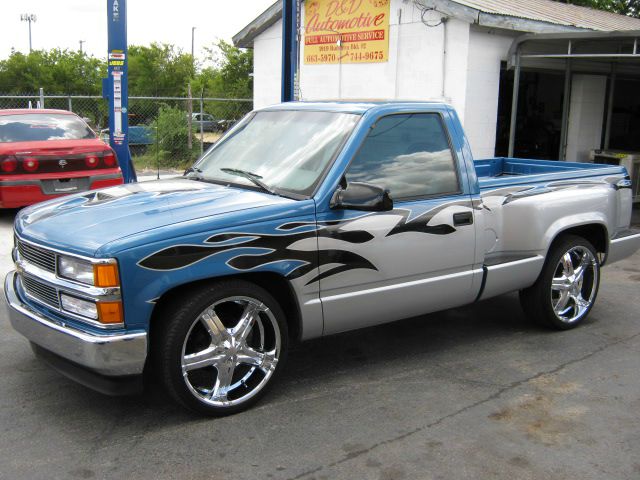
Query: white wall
x,y
267,66
585,115
413,74
486,49
456,61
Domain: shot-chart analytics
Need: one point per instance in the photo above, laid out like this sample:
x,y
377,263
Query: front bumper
x,y
111,354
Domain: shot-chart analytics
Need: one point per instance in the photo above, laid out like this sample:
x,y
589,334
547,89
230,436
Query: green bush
x,y
172,130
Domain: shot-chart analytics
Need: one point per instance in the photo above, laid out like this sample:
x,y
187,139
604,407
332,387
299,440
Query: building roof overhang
x,y
533,16
587,51
244,38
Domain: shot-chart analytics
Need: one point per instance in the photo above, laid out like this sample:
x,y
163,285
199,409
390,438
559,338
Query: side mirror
x,y
362,196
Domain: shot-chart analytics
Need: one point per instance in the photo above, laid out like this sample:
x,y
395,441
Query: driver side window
x,y
409,154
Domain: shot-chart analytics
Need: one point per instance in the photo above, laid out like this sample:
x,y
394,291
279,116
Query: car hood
x,y
84,222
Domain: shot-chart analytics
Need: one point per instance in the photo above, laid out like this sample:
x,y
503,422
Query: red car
x,y
48,153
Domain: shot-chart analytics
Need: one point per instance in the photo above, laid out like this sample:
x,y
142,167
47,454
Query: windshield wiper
x,y
252,177
194,173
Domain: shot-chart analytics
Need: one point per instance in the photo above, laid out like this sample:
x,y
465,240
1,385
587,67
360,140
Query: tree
x,y
628,7
58,71
229,74
159,70
155,70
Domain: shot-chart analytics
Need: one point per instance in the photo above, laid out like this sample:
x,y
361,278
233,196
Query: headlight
x,y
99,274
78,306
75,269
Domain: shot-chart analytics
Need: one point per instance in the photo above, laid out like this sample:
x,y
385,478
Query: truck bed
x,y
501,172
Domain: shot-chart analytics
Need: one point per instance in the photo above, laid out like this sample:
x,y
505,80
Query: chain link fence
x,y
164,132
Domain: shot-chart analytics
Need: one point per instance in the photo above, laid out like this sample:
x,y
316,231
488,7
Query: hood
x,y
84,222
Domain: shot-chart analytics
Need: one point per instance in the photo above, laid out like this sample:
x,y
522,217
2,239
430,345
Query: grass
x,y
150,160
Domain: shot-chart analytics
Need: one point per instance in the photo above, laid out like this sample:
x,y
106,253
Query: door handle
x,y
462,218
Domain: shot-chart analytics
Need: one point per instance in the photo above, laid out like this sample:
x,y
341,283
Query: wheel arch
x,y
278,286
595,232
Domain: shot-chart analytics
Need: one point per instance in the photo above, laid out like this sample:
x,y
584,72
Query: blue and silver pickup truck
x,y
305,219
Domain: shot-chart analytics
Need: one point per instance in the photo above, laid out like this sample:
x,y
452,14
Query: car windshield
x,y
29,127
287,151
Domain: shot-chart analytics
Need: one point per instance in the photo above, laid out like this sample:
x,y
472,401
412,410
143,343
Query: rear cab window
x,y
410,155
30,127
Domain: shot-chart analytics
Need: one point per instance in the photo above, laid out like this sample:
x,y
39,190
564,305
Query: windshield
x,y
32,127
286,150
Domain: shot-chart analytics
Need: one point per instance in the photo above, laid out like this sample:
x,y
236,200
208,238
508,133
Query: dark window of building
x,y
539,114
625,118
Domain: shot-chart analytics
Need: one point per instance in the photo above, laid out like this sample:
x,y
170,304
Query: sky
x,y
63,23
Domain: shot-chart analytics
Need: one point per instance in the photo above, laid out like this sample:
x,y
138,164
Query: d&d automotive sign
x,y
347,31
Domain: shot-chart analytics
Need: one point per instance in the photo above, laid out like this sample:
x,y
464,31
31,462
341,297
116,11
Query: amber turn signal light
x,y
110,312
106,275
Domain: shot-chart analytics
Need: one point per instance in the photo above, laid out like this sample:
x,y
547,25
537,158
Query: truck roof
x,y
354,106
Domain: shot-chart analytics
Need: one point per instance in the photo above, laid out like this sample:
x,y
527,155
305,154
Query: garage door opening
x,y
539,120
625,116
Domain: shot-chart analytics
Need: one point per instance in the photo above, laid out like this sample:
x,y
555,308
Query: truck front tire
x,y
567,287
220,348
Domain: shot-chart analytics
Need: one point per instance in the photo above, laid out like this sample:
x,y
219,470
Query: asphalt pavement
x,y
470,393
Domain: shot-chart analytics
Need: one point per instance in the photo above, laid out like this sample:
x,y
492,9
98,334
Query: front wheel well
x,y
278,286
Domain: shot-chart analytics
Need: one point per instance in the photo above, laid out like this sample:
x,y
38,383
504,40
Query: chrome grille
x,y
41,291
38,256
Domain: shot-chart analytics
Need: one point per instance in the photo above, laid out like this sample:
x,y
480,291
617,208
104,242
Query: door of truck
x,y
378,267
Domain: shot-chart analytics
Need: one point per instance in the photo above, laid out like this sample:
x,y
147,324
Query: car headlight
x,y
75,269
79,306
96,274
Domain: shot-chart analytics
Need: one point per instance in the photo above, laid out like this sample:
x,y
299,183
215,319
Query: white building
x,y
457,52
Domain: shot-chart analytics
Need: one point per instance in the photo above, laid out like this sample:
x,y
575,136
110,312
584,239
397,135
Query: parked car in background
x,y
209,123
140,137
48,153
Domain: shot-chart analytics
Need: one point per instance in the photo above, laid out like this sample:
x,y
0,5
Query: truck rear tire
x,y
221,347
567,287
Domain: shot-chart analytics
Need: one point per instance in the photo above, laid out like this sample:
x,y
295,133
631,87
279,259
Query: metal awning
x,y
603,53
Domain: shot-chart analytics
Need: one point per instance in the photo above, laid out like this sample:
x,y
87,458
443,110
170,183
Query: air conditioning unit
x,y
629,160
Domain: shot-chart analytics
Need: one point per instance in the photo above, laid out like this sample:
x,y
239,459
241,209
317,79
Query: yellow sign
x,y
346,31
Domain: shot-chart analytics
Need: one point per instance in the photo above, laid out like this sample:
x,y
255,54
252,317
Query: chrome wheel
x,y
231,351
574,284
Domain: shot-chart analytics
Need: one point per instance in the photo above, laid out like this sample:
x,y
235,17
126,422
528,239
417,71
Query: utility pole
x,y
81,42
190,118
193,32
190,101
28,17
